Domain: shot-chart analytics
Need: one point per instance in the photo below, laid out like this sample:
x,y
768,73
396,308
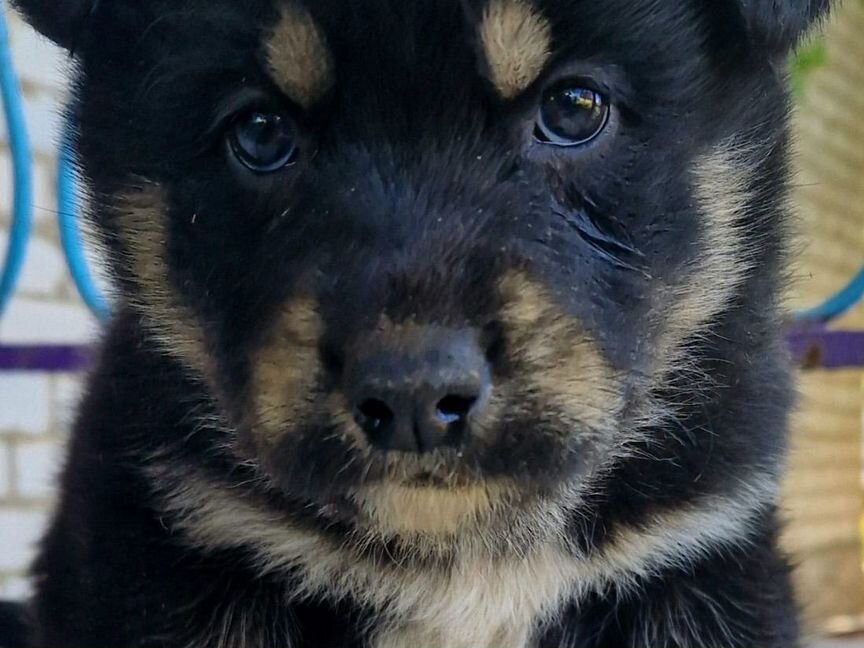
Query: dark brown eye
x,y
263,142
571,115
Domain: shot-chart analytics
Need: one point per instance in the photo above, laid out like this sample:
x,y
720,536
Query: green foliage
x,y
810,55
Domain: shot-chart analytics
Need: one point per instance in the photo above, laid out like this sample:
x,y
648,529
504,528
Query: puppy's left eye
x,y
263,142
571,115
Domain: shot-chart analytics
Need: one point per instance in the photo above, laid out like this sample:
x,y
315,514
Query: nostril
x,y
374,415
453,409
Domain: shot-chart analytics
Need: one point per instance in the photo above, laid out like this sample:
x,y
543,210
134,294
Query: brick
x,y
28,321
42,115
42,111
25,403
37,466
44,181
44,196
17,588
44,271
44,193
20,531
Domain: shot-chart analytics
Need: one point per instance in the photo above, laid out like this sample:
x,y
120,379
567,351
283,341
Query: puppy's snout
x,y
418,391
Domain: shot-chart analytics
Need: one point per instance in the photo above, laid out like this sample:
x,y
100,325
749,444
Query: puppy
x,y
439,324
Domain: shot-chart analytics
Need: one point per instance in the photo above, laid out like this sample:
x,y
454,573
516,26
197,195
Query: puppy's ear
x,y
59,20
778,25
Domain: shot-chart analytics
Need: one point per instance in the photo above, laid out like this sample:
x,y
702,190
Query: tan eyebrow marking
x,y
298,56
517,42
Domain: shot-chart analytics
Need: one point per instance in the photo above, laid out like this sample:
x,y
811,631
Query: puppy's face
x,y
436,260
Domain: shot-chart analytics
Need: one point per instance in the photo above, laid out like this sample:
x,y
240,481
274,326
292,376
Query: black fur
x,y
418,190
59,21
779,25
13,627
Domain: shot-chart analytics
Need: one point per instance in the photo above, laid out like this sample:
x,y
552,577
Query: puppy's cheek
x,y
316,462
725,256
542,447
301,434
557,366
285,389
140,220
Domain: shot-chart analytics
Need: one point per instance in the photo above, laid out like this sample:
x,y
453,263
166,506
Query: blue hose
x,y
21,168
837,305
70,238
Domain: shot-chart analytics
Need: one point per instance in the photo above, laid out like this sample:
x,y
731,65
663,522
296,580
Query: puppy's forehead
x,y
511,38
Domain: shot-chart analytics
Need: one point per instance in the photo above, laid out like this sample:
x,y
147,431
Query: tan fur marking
x,y
298,56
676,537
704,288
721,186
560,360
399,510
140,217
285,369
476,600
516,42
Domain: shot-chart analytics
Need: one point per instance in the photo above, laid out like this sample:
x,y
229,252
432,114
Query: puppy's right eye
x,y
263,142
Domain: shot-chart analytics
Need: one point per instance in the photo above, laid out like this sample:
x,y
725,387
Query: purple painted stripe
x,y
53,359
821,349
811,348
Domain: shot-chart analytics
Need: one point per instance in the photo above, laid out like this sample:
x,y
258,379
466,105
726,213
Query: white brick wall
x,y
19,392
35,408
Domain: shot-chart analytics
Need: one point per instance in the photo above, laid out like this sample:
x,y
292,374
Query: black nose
x,y
419,389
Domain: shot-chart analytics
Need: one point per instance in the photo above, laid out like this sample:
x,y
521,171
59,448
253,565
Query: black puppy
x,y
440,324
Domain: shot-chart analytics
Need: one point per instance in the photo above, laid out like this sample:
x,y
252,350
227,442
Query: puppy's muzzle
x,y
418,392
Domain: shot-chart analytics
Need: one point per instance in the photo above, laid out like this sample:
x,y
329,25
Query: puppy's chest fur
x,y
478,603
477,598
